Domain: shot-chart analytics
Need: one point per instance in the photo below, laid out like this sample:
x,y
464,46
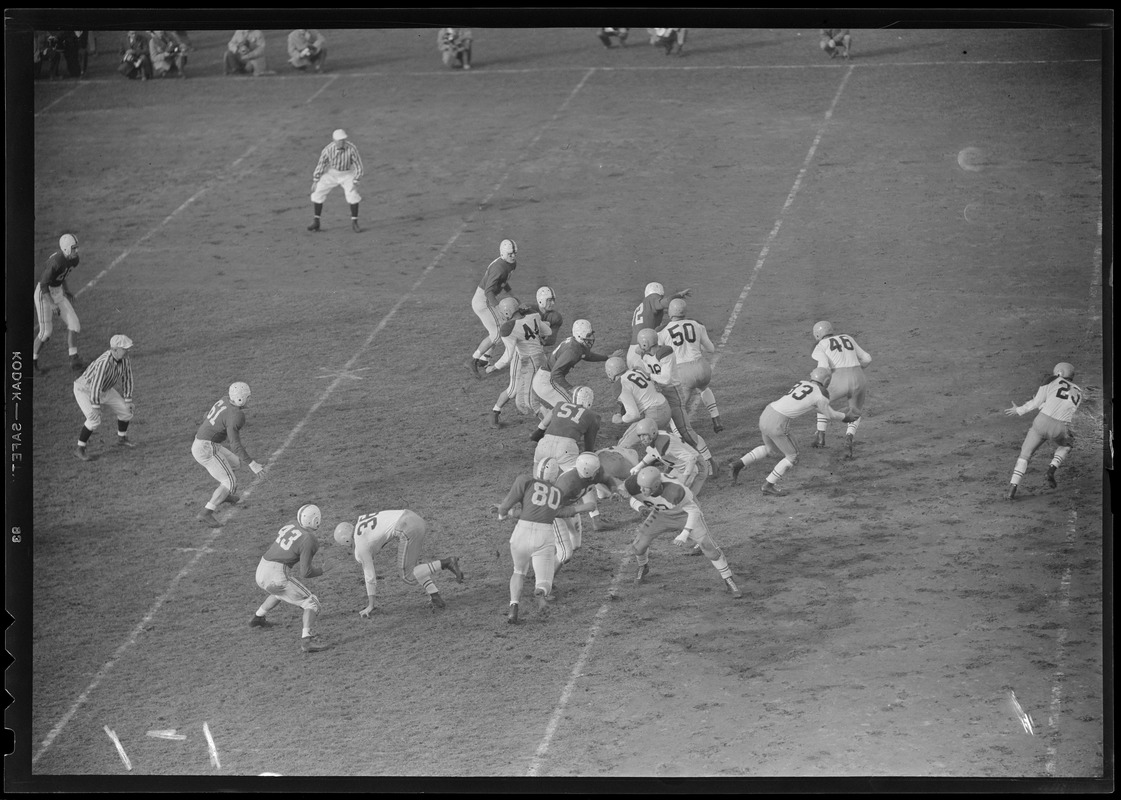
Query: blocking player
x,y
640,398
690,342
672,508
223,423
533,540
53,295
521,332
374,531
1057,400
547,308
774,425
649,314
662,367
572,429
576,484
840,354
283,569
495,281
669,453
550,383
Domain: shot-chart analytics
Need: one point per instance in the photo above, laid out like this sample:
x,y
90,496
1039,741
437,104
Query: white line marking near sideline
x,y
211,746
322,88
577,670
216,532
59,99
1060,649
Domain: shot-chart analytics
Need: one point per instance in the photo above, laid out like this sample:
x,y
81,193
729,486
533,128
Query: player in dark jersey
x,y
53,295
649,314
223,423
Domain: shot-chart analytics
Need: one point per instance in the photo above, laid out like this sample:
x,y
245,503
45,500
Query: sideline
x,y
107,667
577,670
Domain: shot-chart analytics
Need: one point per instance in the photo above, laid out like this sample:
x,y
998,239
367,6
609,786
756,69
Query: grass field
x,y
893,601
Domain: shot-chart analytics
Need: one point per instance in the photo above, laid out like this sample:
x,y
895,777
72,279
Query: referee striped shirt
x,y
104,372
342,156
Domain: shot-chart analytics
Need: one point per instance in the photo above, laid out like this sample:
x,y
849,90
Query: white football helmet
x,y
587,465
647,339
583,396
547,469
546,298
822,329
649,480
614,367
507,307
1064,370
582,332
676,308
646,427
344,534
239,394
68,244
508,250
309,516
821,375
654,288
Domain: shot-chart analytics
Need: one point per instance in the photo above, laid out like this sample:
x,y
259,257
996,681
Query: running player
x,y
572,429
774,425
840,354
495,281
283,569
223,423
690,343
672,507
550,383
521,333
1057,400
374,531
576,484
51,295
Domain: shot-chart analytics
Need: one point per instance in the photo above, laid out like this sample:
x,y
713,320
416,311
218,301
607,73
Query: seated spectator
x,y
455,46
307,47
607,34
136,63
48,54
168,54
246,53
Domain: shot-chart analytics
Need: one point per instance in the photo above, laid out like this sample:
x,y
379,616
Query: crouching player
x,y
670,454
672,508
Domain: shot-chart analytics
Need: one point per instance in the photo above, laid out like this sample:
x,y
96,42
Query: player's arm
x,y
630,408
304,568
1035,402
558,375
508,353
513,497
662,303
320,167
591,433
865,359
827,410
704,340
370,576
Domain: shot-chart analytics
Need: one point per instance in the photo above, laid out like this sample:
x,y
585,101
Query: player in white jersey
x,y
521,332
691,344
840,354
1057,400
672,508
640,399
669,453
774,424
371,532
661,363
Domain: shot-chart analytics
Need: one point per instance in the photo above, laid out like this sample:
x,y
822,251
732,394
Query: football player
x,y
1057,400
495,281
840,354
649,314
550,382
690,343
522,330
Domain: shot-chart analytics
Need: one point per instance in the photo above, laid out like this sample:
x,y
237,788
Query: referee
x,y
339,165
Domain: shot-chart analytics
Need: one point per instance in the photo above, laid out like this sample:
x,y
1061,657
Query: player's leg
x,y
327,182
44,312
92,423
562,541
1032,442
270,576
789,449
1066,444
516,367
73,328
353,198
713,553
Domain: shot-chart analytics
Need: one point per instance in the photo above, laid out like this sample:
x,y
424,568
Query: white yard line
x,y
60,98
577,670
130,640
1060,651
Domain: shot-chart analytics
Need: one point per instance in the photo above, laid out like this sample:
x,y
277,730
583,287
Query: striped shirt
x,y
104,373
342,156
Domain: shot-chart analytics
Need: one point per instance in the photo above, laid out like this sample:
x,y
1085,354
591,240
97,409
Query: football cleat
x,y
771,489
453,565
848,442
35,366
819,439
232,498
512,614
354,226
437,601
81,454
643,571
714,468
260,622
206,516
736,593
494,420
716,425
313,226
737,467
309,645
1011,493
542,600
1050,478
122,441
76,364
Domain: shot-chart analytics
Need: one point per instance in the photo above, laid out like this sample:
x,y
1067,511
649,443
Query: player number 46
x,y
839,343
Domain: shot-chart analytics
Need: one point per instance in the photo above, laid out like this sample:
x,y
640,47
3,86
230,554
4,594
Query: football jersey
x,y
572,485
661,364
224,421
672,497
688,338
541,500
526,333
646,315
671,451
638,393
555,321
806,396
567,355
1058,399
58,267
293,547
571,421
495,278
838,350
372,532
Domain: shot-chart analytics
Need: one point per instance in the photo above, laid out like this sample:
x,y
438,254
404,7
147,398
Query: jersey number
x,y
681,333
366,523
839,343
1064,392
637,318
212,415
638,379
565,411
801,390
545,495
288,534
530,333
